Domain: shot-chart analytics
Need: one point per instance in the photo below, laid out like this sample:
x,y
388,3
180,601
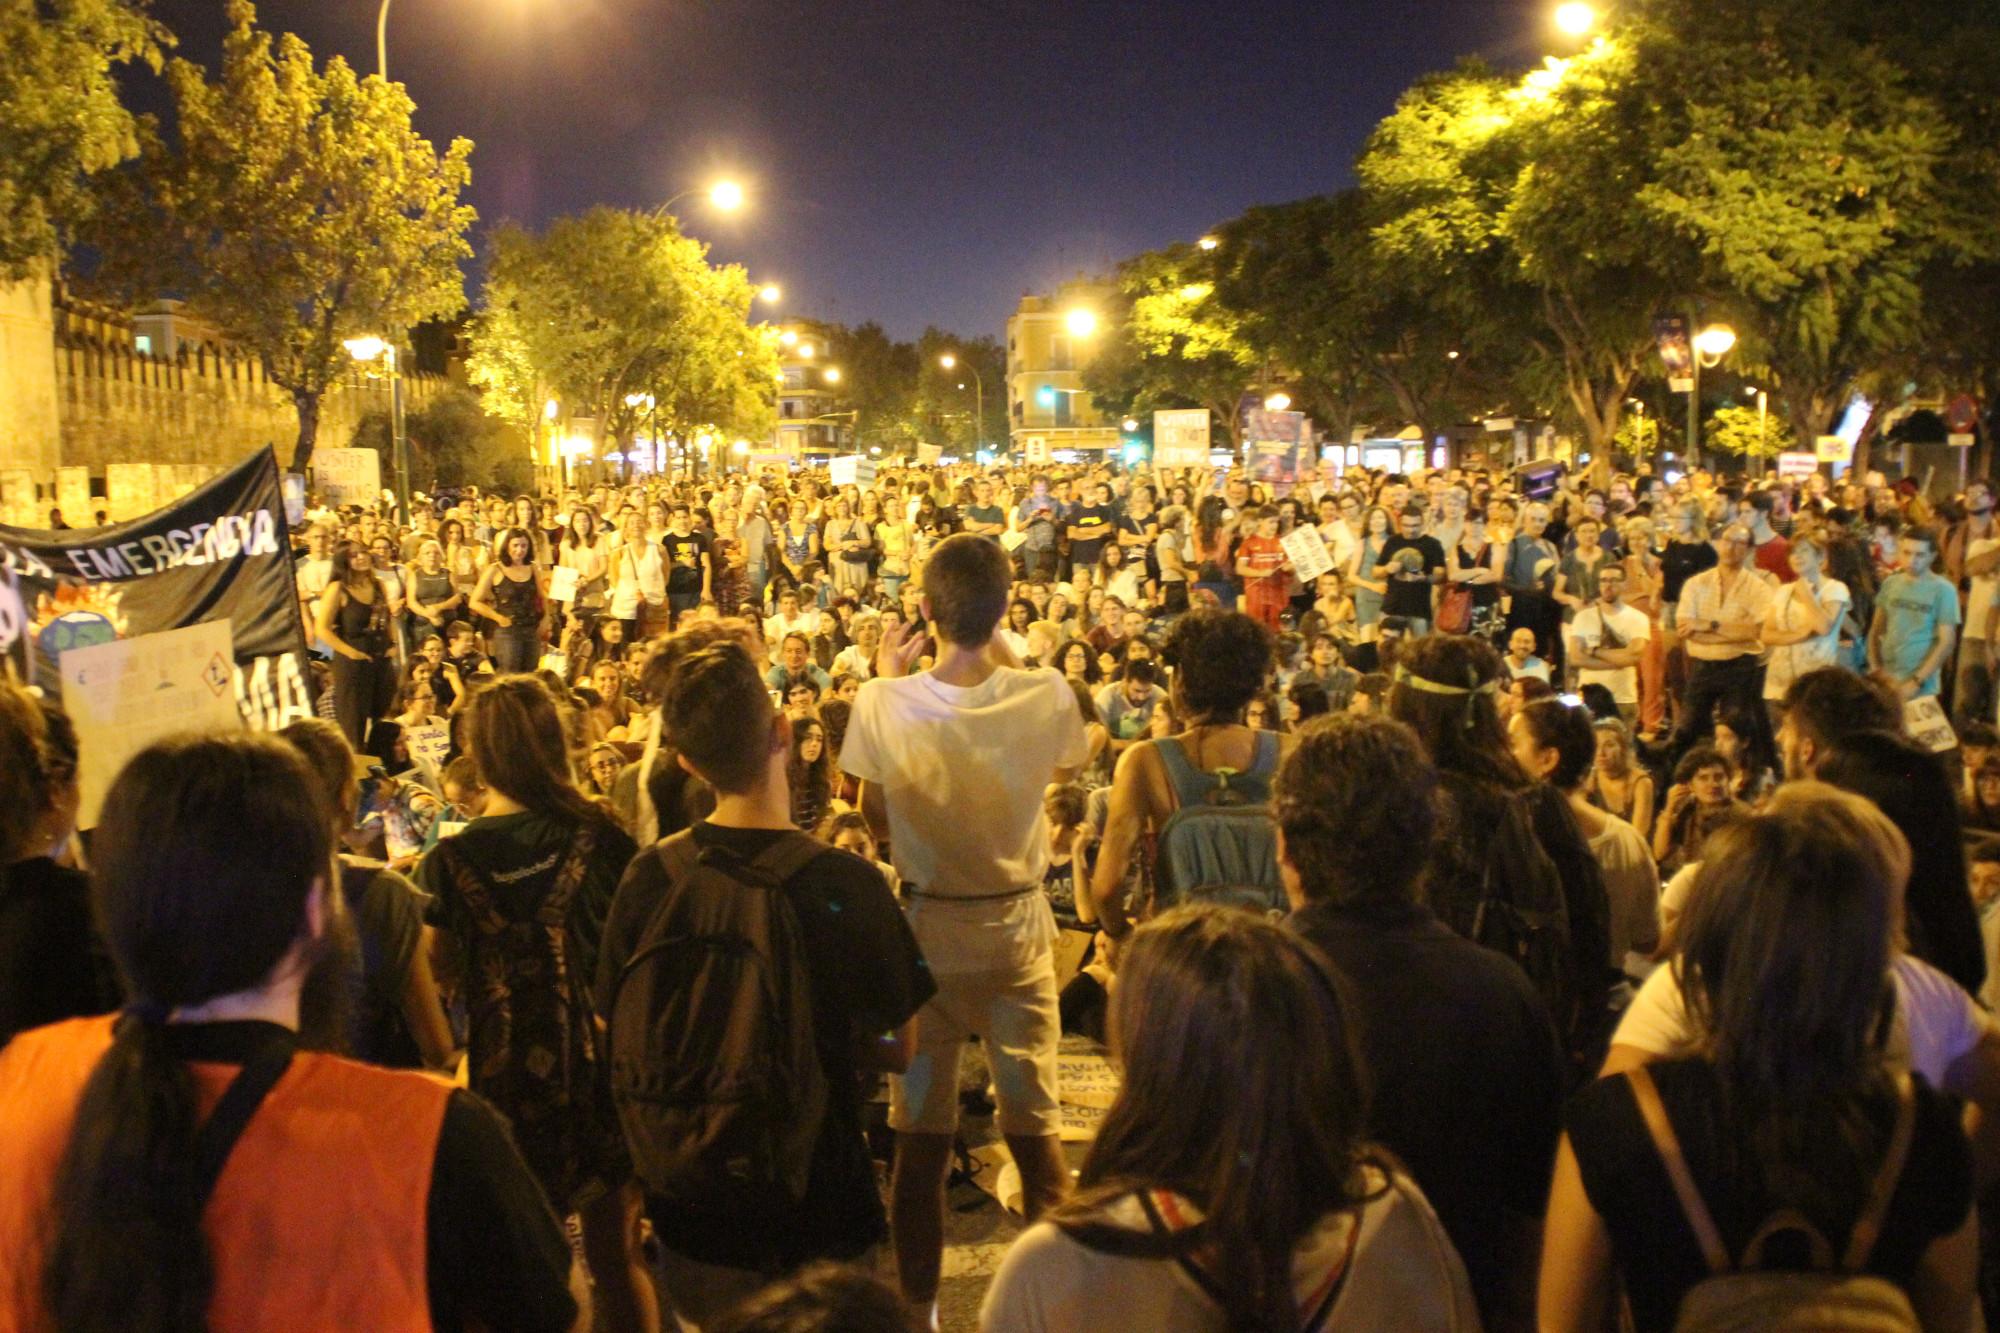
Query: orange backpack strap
x,y
1668,1145
1868,1227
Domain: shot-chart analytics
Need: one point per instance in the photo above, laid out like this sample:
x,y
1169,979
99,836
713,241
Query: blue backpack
x,y
1220,845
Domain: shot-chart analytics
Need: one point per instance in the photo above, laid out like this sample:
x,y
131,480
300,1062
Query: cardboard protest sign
x,y
1306,549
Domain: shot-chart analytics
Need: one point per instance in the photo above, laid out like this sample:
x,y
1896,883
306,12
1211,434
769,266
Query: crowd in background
x,y
1568,898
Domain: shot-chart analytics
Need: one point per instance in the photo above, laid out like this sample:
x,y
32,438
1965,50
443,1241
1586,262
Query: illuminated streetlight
x,y
806,351
1208,242
770,294
1714,342
948,361
726,195
1130,423
1081,323
831,374
1575,18
788,337
371,348
1277,402
550,409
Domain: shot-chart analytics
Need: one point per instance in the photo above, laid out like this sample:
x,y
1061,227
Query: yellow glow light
x,y
726,195
1575,18
1081,323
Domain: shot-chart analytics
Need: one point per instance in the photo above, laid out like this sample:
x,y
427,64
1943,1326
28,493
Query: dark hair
x,y
822,1298
1357,802
506,539
966,580
1458,720
323,745
1220,659
514,733
1974,732
1696,759
1242,1091
1831,702
206,850
1911,787
25,779
716,712
342,567
1782,954
1310,699
1070,800
814,778
657,676
1568,731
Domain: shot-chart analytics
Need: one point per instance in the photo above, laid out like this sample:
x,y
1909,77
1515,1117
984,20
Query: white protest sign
x,y
124,695
1834,449
562,584
1306,549
846,470
1180,438
928,454
347,476
1924,720
1035,449
1798,464
430,745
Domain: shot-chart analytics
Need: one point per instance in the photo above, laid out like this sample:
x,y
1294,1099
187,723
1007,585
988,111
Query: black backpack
x,y
714,1067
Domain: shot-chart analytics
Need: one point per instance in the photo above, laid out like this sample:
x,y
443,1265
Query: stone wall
x,y
207,404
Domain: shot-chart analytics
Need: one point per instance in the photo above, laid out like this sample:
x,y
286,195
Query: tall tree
x,y
60,116
294,208
620,316
1169,342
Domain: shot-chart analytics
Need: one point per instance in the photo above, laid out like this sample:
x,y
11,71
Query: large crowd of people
x,y
1562,906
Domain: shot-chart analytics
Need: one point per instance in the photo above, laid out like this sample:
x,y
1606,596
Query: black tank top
x,y
520,600
364,625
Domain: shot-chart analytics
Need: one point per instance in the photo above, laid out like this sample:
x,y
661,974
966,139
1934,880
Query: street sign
x,y
1499,425
1834,449
1962,415
1799,464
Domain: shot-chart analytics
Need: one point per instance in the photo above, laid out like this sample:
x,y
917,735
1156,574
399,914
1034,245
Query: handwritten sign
x,y
124,695
1306,549
1924,720
850,470
1180,438
928,454
1802,463
430,746
347,476
562,584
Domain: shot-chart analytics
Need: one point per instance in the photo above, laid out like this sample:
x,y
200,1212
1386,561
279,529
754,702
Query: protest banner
x,y
347,476
1925,723
1180,438
850,470
1274,439
1306,549
1834,449
928,454
123,695
221,553
1800,463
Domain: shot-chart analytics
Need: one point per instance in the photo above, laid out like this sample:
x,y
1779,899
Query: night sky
x,y
909,161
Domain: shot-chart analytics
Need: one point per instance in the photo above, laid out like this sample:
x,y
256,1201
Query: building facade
x,y
810,418
1050,339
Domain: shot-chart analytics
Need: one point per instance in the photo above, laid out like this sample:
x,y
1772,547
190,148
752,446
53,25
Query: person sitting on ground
x,y
1466,1076
1699,802
400,1021
867,981
108,1220
821,1298
1792,1115
1555,742
1229,1185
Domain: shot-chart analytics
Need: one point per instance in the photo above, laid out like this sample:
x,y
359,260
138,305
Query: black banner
x,y
221,552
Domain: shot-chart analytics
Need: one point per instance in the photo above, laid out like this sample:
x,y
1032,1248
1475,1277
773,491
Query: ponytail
x,y
128,1254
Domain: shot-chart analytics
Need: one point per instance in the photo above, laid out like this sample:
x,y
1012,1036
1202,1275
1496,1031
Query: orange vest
x,y
319,1218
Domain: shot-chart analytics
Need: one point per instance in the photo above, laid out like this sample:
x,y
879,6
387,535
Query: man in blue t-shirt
x,y
1916,619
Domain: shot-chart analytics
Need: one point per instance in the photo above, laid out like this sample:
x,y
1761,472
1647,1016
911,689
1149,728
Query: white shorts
x,y
1016,1016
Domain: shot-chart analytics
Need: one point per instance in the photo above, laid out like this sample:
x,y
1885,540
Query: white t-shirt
x,y
1984,588
1936,1025
1627,623
1632,883
962,770
1787,662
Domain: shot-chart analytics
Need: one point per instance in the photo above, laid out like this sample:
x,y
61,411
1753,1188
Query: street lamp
x,y
726,196
1209,242
769,293
1710,345
1081,323
1575,18
371,348
831,374
1277,402
949,361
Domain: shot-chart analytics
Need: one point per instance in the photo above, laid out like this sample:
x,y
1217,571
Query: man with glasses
x,y
1721,621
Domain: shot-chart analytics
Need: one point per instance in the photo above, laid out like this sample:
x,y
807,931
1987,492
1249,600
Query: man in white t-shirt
x,y
1975,543
1606,641
952,765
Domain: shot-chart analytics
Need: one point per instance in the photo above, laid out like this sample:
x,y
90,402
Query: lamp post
x,y
372,348
726,195
949,361
382,41
1710,345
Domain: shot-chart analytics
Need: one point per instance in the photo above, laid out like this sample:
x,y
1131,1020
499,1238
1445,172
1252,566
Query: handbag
x,y
1454,614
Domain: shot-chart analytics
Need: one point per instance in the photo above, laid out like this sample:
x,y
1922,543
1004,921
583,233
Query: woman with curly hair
x,y
810,772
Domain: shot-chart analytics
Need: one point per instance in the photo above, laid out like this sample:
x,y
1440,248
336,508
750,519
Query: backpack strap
x,y
225,1125
1264,764
1668,1145
787,857
1868,1227
1190,787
